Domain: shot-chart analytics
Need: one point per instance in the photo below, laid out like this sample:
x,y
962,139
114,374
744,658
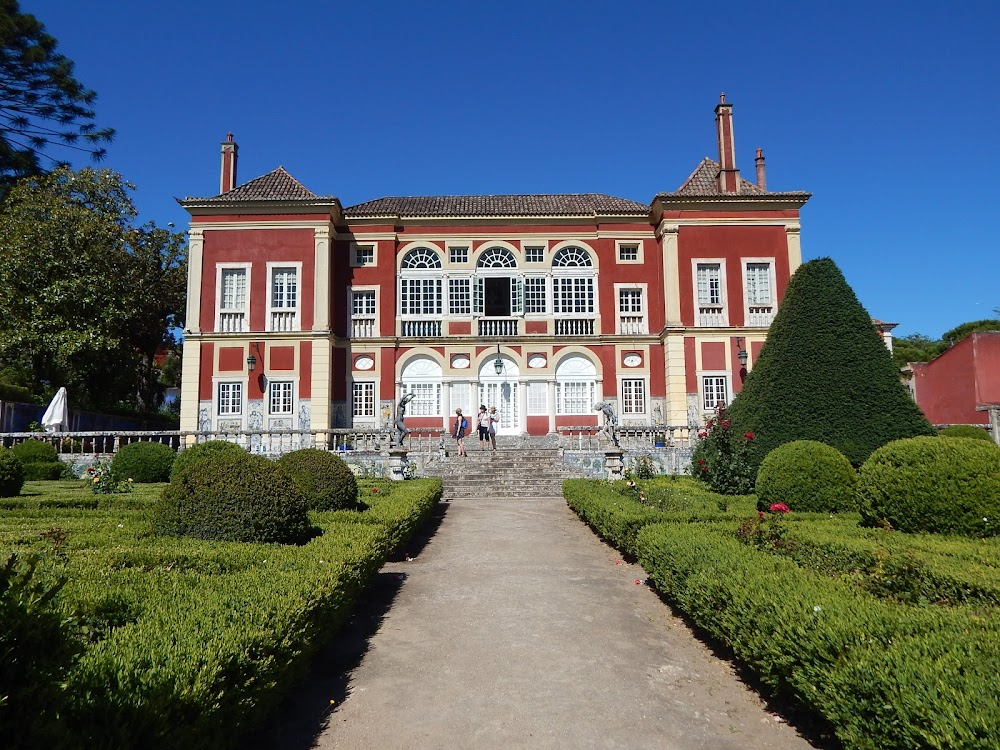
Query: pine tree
x,y
824,374
41,104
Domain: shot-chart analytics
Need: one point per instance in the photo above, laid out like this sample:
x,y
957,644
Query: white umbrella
x,y
56,417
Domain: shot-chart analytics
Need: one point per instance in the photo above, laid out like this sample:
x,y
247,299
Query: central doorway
x,y
501,391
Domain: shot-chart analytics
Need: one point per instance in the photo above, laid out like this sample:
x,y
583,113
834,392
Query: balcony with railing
x,y
760,316
711,316
284,320
575,326
232,322
498,327
632,325
363,327
421,328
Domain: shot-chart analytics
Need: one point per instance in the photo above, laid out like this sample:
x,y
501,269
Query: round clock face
x,y
536,360
460,361
364,363
632,360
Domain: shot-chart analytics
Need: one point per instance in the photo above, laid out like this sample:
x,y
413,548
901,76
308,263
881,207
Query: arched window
x,y
422,377
576,385
421,257
572,282
497,257
420,285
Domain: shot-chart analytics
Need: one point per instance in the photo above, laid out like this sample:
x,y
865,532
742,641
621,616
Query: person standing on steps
x,y
494,423
461,425
483,420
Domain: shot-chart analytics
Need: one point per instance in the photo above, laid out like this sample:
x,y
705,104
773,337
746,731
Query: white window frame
x,y
274,389
355,246
220,268
702,393
366,386
637,244
576,370
623,323
461,248
357,330
295,324
526,246
626,400
546,294
536,406
719,319
757,318
449,303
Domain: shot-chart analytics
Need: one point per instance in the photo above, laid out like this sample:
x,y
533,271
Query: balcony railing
x,y
363,328
284,320
498,327
760,317
632,325
711,316
574,326
421,328
232,322
636,438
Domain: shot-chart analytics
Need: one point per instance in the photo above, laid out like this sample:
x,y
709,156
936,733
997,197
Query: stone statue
x,y
610,421
401,428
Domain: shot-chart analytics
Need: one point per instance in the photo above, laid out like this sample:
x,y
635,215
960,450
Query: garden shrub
x,y
200,450
34,451
966,431
796,392
942,485
45,470
807,476
722,457
11,474
36,650
233,497
325,480
144,462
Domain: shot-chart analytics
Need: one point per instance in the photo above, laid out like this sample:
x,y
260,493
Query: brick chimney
x,y
761,177
729,175
229,153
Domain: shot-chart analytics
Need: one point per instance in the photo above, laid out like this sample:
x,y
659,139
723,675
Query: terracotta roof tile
x,y
274,186
584,204
703,181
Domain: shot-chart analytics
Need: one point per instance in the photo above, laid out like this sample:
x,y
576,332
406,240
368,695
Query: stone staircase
x,y
508,472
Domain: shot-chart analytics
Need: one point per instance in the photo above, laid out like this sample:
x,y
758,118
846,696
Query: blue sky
x,y
886,111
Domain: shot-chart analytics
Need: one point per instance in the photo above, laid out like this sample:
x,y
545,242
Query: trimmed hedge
x,y
46,471
940,485
11,474
615,517
887,677
34,451
807,475
145,462
966,431
233,497
325,480
201,450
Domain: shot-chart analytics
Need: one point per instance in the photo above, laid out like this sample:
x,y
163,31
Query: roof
x,y
277,185
581,204
704,182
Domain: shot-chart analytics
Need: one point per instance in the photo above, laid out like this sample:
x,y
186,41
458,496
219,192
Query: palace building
x,y
304,314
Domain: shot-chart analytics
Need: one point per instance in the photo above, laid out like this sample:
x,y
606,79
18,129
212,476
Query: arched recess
x,y
501,390
576,385
422,376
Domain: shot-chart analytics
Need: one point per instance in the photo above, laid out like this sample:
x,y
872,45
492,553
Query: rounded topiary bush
x,y
325,480
937,484
201,450
11,474
34,451
966,431
233,497
807,476
144,462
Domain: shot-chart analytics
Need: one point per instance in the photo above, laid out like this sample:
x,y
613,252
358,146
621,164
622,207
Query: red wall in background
x,y
948,389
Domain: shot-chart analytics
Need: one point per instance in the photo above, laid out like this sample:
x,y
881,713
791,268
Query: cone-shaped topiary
x,y
824,374
807,475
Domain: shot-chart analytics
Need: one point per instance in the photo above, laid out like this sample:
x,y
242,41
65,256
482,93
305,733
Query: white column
x,y
793,234
196,249
319,400
446,409
522,400
550,404
190,376
671,274
676,406
321,279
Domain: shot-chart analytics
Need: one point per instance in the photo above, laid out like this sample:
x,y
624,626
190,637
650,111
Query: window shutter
x,y
516,295
477,296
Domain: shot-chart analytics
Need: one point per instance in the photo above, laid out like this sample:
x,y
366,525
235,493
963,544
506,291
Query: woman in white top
x,y
494,423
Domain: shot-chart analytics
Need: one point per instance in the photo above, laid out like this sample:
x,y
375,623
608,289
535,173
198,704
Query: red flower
x,y
779,508
374,490
760,514
702,434
725,424
749,435
701,461
638,582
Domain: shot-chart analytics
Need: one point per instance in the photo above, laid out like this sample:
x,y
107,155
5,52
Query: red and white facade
x,y
582,298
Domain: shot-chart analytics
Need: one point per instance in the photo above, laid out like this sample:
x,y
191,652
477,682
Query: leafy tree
x,y
824,374
41,104
915,348
86,297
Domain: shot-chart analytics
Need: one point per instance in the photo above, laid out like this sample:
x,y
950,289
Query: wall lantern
x,y
498,363
741,355
251,359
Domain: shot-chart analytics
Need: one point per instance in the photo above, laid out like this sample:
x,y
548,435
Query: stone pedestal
x,y
397,464
613,464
